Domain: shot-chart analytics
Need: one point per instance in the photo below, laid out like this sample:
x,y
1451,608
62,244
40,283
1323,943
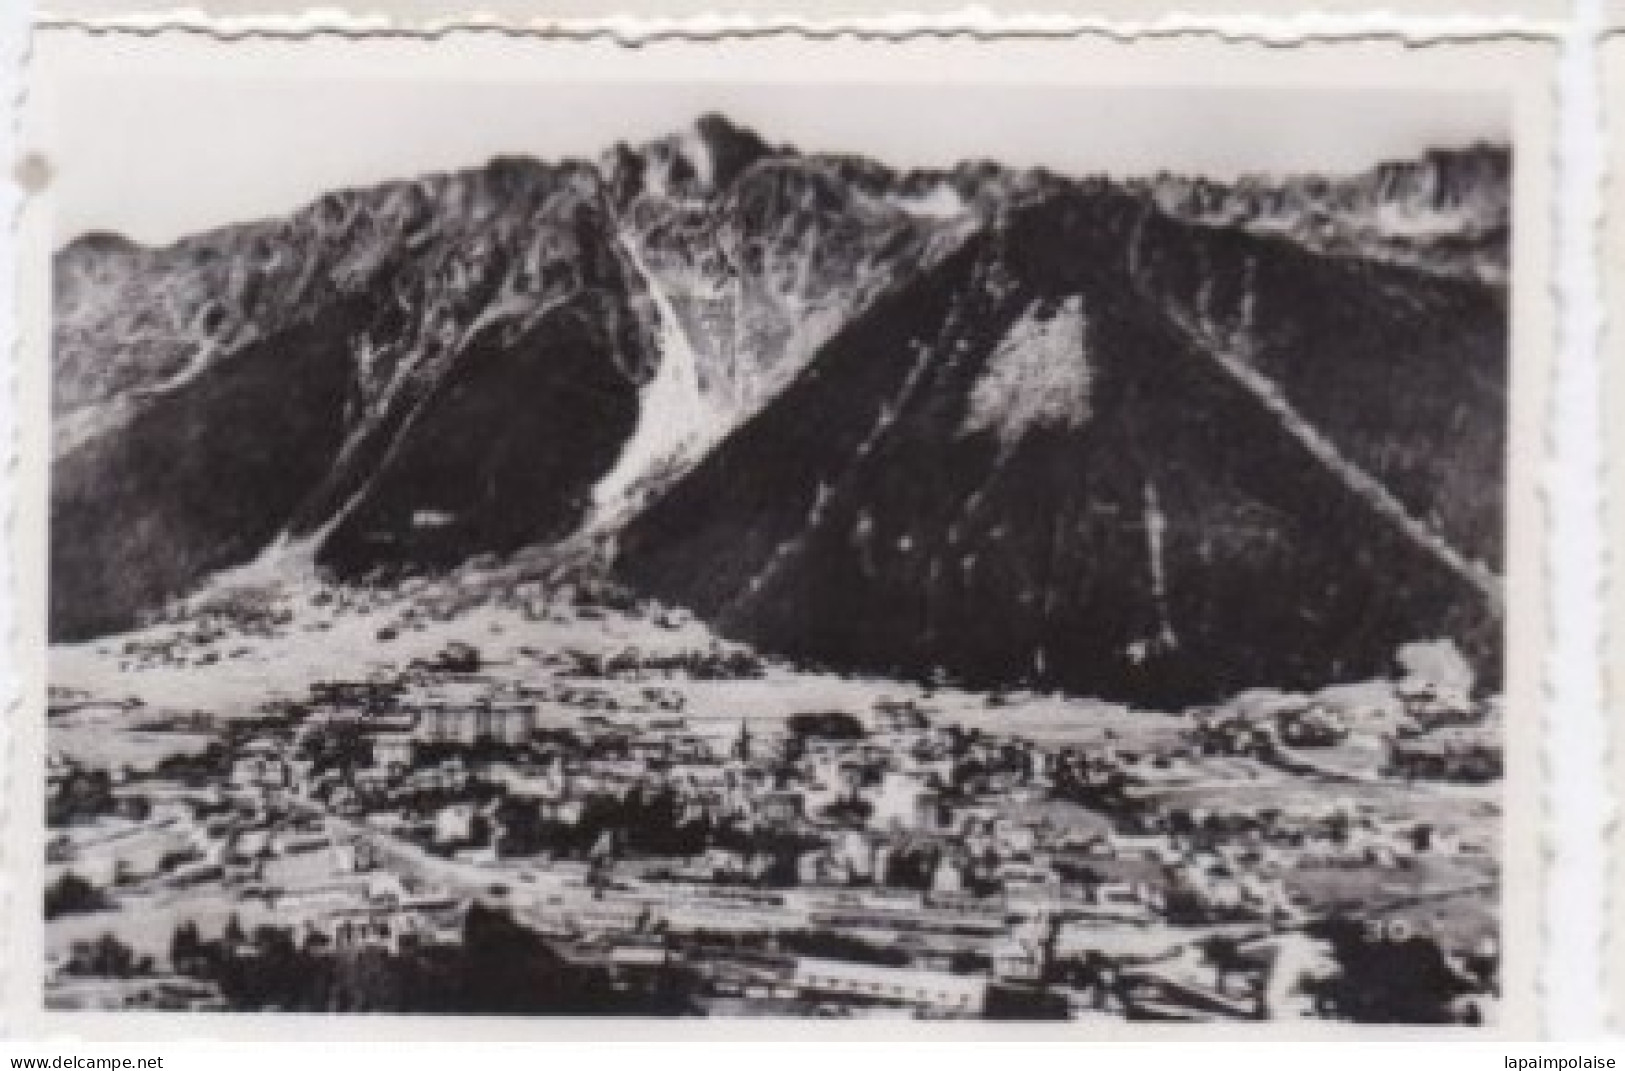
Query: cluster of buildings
x,y
872,860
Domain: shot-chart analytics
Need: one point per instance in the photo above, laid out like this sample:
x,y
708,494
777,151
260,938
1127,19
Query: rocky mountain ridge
x,y
1448,212
799,393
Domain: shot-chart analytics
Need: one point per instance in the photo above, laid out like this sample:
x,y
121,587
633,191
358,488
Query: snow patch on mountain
x,y
677,421
1037,377
939,203
1398,220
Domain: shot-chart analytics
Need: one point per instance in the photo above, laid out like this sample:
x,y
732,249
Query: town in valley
x,y
638,818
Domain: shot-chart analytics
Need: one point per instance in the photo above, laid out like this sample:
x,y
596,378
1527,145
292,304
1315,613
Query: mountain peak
x,y
1445,211
706,156
732,148
99,243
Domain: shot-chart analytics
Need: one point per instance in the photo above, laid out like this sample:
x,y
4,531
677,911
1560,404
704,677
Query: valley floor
x,y
342,799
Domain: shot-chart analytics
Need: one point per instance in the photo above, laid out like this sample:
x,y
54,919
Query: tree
x,y
827,725
105,957
185,948
82,795
72,895
1385,980
458,657
343,747
852,812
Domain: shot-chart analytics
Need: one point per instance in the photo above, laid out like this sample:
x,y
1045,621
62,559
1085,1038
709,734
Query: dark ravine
x,y
1154,441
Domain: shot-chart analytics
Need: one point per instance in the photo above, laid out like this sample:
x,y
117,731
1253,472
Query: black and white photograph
x,y
696,546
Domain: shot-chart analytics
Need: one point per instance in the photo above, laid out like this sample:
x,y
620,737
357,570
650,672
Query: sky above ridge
x,y
156,157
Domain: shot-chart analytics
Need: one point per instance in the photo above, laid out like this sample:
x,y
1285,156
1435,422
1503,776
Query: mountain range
x,y
1156,439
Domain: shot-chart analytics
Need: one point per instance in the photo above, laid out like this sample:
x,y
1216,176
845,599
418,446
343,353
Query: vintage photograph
x,y
746,547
